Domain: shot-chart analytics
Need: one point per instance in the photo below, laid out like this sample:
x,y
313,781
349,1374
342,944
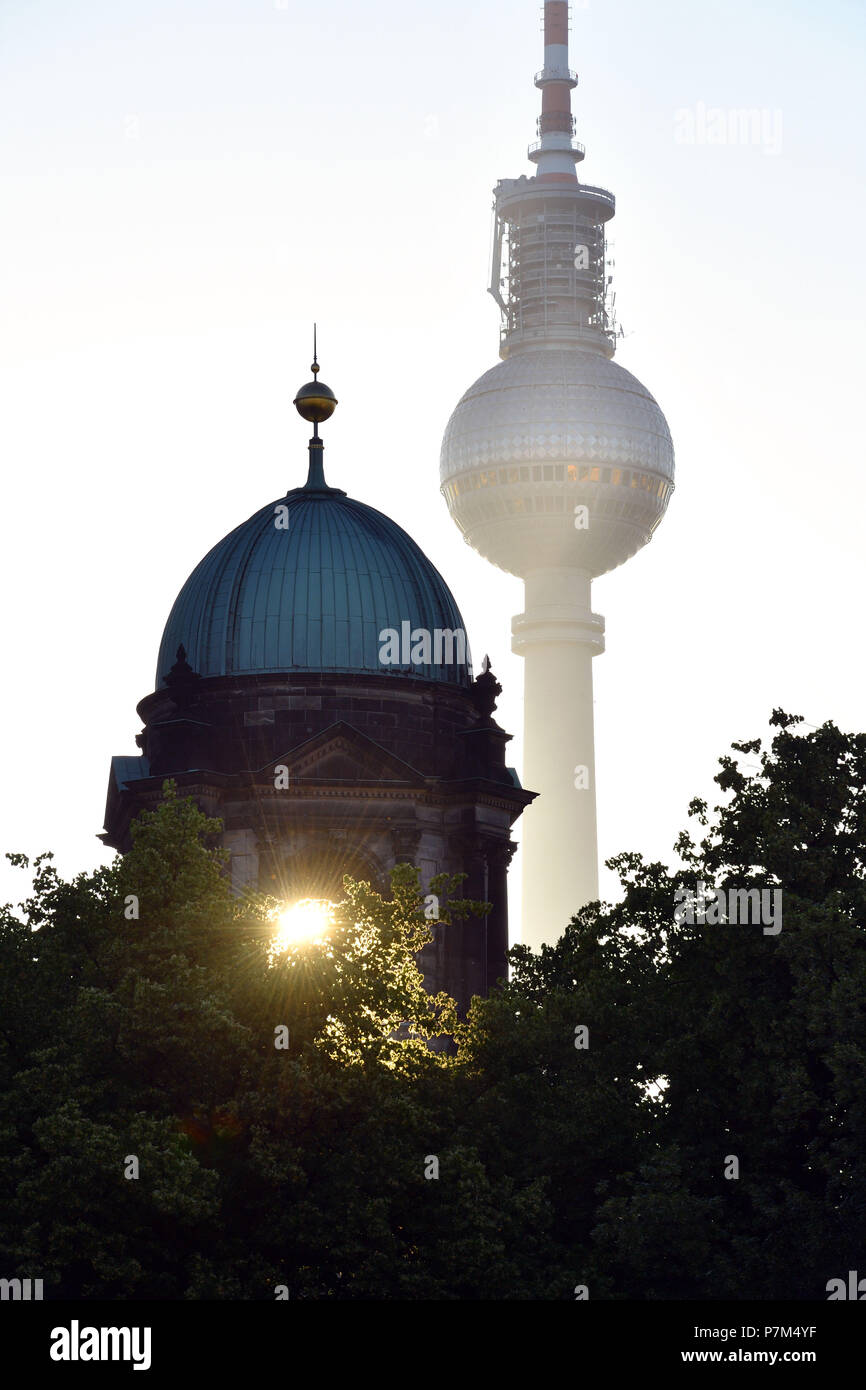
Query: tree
x,y
655,1107
765,1052
155,1142
706,1042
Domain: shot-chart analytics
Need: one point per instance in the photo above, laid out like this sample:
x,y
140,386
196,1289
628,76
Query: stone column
x,y
244,865
498,855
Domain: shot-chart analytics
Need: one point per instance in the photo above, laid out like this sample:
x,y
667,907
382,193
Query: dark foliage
x,y
152,1037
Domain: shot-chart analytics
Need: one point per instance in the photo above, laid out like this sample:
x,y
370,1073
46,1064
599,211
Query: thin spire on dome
x,y
316,402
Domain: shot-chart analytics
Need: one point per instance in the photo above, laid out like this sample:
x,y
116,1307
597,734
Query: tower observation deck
x,y
557,465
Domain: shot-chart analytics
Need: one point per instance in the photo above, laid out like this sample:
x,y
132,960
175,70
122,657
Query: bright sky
x,y
187,184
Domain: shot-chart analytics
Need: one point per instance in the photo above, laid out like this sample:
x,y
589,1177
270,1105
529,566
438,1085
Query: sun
x,y
307,920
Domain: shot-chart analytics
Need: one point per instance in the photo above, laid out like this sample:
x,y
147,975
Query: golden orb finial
x,y
315,402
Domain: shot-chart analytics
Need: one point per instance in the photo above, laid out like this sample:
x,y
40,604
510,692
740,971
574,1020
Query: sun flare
x,y
307,920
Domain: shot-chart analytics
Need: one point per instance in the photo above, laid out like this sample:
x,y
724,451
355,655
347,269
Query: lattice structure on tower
x,y
550,273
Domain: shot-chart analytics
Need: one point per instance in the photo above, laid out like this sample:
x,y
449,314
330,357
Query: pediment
x,y
343,754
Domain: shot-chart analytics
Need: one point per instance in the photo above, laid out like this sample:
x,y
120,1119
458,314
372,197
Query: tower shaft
x,y
558,635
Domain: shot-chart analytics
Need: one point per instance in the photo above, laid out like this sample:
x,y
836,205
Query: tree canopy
x,y
650,1109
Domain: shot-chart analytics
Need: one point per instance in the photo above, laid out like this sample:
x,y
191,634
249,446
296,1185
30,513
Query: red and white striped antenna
x,y
556,152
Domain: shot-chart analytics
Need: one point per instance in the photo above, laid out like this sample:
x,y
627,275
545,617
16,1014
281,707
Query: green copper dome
x,y
309,584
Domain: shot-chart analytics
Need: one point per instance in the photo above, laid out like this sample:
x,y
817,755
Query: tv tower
x,y
557,465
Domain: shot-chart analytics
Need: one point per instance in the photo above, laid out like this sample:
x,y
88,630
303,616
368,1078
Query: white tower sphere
x,y
547,431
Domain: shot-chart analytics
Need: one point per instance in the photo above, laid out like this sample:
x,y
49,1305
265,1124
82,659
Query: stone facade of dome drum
x,y
273,658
